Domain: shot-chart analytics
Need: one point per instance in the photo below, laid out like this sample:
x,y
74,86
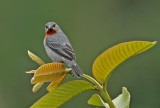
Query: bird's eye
x,y
46,26
54,25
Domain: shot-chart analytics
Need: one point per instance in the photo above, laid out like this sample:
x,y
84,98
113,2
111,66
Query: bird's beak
x,y
50,29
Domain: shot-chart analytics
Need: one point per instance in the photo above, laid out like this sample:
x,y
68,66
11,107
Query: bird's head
x,y
51,28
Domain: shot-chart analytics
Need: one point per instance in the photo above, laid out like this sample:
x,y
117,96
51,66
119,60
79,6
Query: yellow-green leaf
x,y
95,100
54,84
35,58
111,58
122,101
62,94
48,73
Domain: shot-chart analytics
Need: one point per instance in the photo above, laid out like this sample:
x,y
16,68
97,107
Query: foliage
x,y
102,68
62,94
111,58
122,101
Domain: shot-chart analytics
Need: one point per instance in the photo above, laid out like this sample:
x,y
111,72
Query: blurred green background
x,y
92,27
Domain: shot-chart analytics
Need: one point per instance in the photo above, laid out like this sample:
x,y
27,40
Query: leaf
x,y
48,72
37,86
111,58
31,72
35,58
122,101
96,100
54,84
62,94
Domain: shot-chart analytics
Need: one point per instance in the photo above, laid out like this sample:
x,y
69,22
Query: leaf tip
x,y
32,80
36,87
28,51
30,54
96,100
30,72
125,91
124,88
35,58
155,42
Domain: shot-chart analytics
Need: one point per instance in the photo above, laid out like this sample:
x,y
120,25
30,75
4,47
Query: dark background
x,y
92,27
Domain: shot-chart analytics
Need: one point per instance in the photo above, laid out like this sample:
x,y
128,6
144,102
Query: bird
x,y
59,49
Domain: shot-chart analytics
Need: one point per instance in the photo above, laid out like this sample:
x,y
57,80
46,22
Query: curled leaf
x,y
37,86
31,72
96,100
48,73
55,83
122,101
35,58
111,58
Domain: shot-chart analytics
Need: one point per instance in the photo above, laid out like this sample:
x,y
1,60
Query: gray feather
x,y
59,49
63,49
78,72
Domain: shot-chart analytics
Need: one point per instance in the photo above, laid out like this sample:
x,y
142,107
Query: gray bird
x,y
59,48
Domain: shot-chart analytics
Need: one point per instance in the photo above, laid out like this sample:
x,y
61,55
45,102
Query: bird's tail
x,y
76,69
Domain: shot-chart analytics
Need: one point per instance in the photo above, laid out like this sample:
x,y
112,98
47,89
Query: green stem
x,y
93,81
102,90
107,98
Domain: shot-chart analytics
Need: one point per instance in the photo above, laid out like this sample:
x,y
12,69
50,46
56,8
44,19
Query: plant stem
x,y
107,98
93,81
102,90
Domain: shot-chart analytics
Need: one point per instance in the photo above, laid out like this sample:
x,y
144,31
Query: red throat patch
x,y
50,32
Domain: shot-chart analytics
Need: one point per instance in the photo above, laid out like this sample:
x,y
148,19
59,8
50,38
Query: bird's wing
x,y
63,49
